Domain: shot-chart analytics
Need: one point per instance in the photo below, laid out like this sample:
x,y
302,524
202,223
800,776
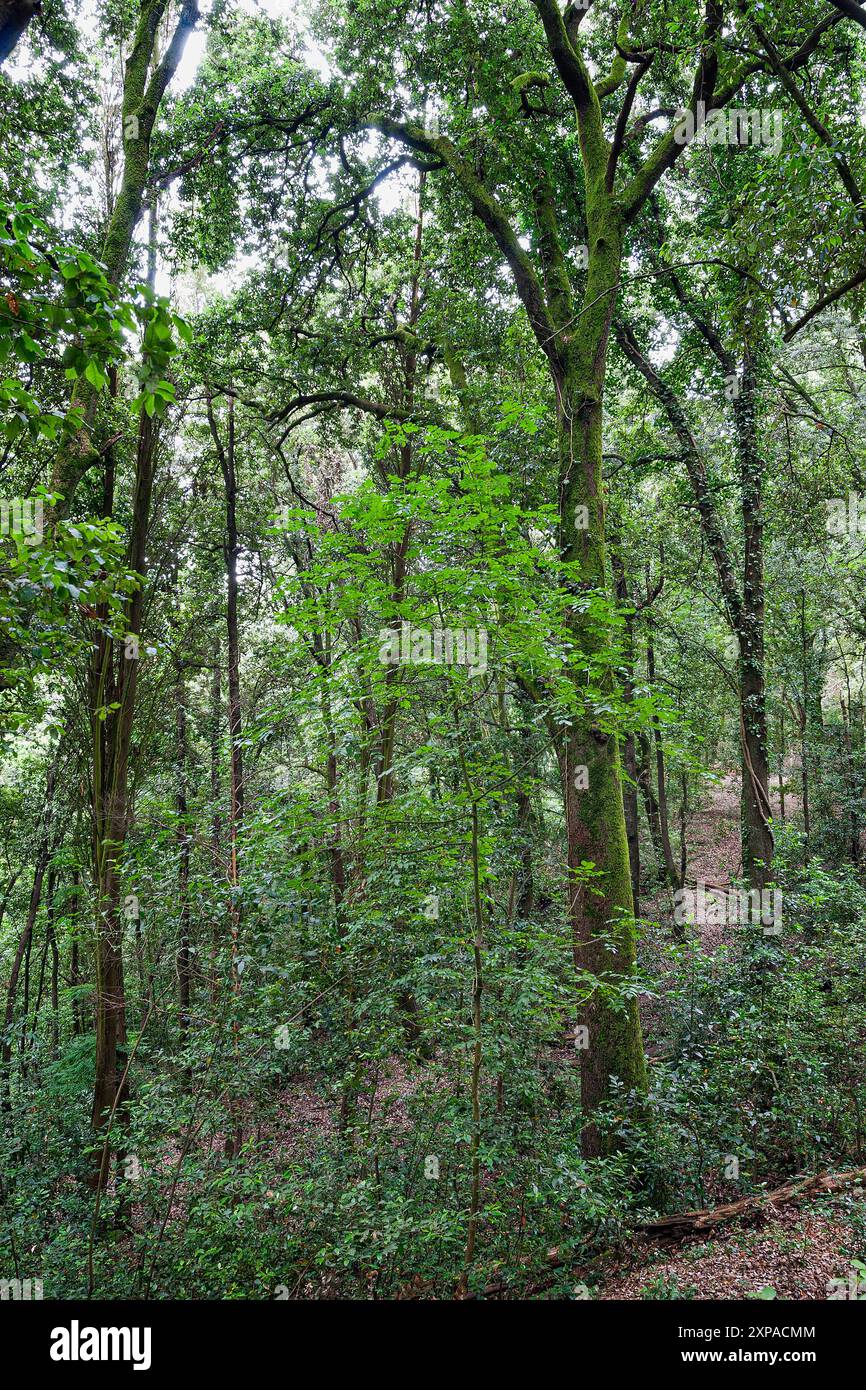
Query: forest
x,y
432,650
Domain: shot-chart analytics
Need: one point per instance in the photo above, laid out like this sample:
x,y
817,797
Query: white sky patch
x,y
293,12
24,64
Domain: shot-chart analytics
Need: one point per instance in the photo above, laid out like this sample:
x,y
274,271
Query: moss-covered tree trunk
x,y
601,908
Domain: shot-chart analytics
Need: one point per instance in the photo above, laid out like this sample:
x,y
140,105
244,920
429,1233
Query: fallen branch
x,y
760,1207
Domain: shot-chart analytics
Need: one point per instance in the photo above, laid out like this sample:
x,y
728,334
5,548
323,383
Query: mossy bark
x,y
600,909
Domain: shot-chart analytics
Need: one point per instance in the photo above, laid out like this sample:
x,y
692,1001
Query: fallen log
x,y
759,1207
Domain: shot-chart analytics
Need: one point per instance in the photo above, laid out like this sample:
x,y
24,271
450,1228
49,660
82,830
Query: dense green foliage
x,y
433,540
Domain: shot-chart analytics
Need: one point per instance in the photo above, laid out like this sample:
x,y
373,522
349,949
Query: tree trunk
x,y
55,978
146,78
226,456
744,610
600,909
525,895
630,780
15,15
670,867
43,854
756,810
782,755
183,844
805,750
114,673
79,1015
216,816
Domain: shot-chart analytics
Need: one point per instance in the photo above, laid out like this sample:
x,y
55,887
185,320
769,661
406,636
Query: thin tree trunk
x,y
743,610
629,752
477,992
684,819
215,793
756,809
804,727
525,897
226,456
43,854
661,777
55,979
114,676
393,675
782,755
183,843
43,963
79,1019
147,75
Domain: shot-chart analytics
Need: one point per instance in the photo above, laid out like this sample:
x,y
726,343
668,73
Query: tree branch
x,y
695,467
492,216
569,63
824,302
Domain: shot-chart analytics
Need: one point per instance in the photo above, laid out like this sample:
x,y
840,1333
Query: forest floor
x,y
795,1254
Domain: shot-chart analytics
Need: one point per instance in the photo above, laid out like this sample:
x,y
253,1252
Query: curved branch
x,y
825,301
569,63
489,212
852,10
